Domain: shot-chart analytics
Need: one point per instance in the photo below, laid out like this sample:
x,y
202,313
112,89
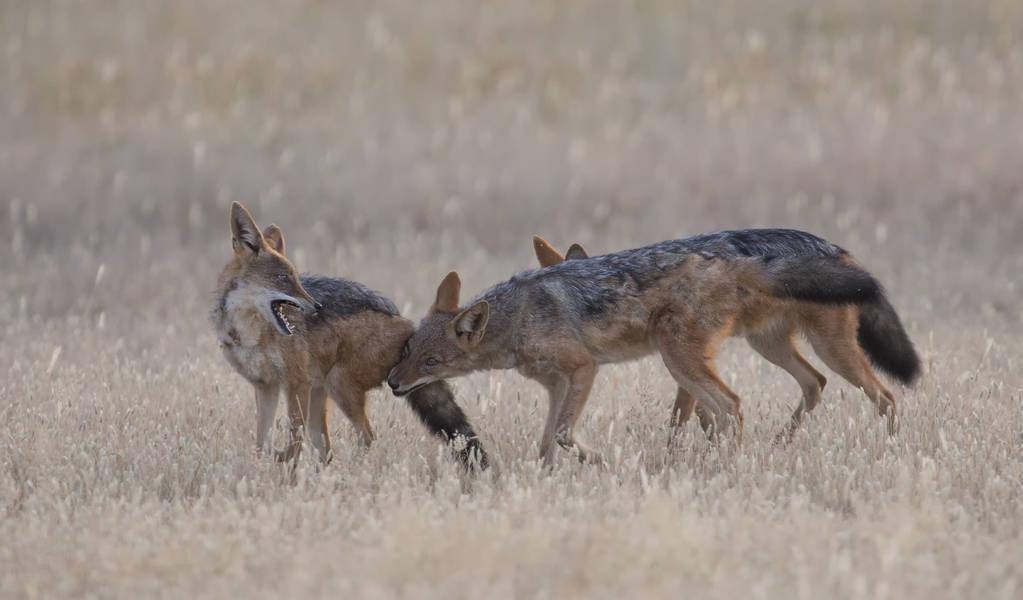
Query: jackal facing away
x,y
681,299
314,336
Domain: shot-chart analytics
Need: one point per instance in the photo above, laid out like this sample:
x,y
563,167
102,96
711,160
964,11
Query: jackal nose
x,y
393,384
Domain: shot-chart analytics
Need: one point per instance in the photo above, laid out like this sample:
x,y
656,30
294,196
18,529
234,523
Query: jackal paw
x,y
584,454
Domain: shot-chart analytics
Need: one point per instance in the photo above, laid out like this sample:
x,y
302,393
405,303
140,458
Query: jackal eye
x,y
282,277
405,351
431,362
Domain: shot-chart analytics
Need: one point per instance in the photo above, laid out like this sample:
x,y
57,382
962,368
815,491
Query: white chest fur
x,y
246,338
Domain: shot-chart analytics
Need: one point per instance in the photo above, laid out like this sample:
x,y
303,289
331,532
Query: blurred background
x,y
394,141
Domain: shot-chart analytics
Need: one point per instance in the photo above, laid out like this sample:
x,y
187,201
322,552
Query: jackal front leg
x,y
580,381
266,410
298,413
557,390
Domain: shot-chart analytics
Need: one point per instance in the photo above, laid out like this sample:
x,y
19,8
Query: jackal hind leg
x,y
834,340
319,434
351,399
779,348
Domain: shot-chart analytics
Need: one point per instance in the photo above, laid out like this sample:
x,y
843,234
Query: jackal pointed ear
x,y
245,234
546,255
472,322
576,252
274,238
447,294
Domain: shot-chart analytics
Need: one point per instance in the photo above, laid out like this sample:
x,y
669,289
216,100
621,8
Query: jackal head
x,y
445,344
548,256
261,275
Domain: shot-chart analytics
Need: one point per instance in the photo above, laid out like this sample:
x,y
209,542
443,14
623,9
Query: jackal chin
x,y
406,390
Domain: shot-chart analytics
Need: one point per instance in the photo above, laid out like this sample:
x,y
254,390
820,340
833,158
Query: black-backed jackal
x,y
313,337
781,350
681,299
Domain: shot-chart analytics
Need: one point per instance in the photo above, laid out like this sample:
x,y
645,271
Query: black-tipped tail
x,y
883,338
821,279
435,406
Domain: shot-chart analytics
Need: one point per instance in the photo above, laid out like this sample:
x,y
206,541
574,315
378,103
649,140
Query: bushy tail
x,y
885,341
834,280
821,279
435,406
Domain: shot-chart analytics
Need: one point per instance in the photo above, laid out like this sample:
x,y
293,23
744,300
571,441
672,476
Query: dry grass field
x,y
394,141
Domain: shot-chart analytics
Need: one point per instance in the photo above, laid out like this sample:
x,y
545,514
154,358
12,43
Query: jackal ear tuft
x,y
447,294
546,255
244,232
274,238
576,252
472,322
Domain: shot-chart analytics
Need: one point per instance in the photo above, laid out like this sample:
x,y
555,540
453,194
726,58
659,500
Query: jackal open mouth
x,y
283,324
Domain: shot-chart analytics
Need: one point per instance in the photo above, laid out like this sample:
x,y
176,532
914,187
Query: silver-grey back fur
x,y
343,297
580,290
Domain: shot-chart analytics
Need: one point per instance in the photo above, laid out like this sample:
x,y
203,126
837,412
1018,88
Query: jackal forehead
x,y
431,338
272,263
431,324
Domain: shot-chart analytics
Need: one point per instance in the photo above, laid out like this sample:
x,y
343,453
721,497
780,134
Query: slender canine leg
x,y
557,389
353,405
685,405
319,435
712,384
856,370
683,409
580,381
687,352
298,413
266,410
834,340
780,349
352,402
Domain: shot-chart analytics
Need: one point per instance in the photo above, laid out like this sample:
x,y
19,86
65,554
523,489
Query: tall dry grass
x,y
394,143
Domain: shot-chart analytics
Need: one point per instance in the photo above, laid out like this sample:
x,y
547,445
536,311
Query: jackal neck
x,y
497,348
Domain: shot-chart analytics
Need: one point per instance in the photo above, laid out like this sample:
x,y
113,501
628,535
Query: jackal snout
x,y
405,378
